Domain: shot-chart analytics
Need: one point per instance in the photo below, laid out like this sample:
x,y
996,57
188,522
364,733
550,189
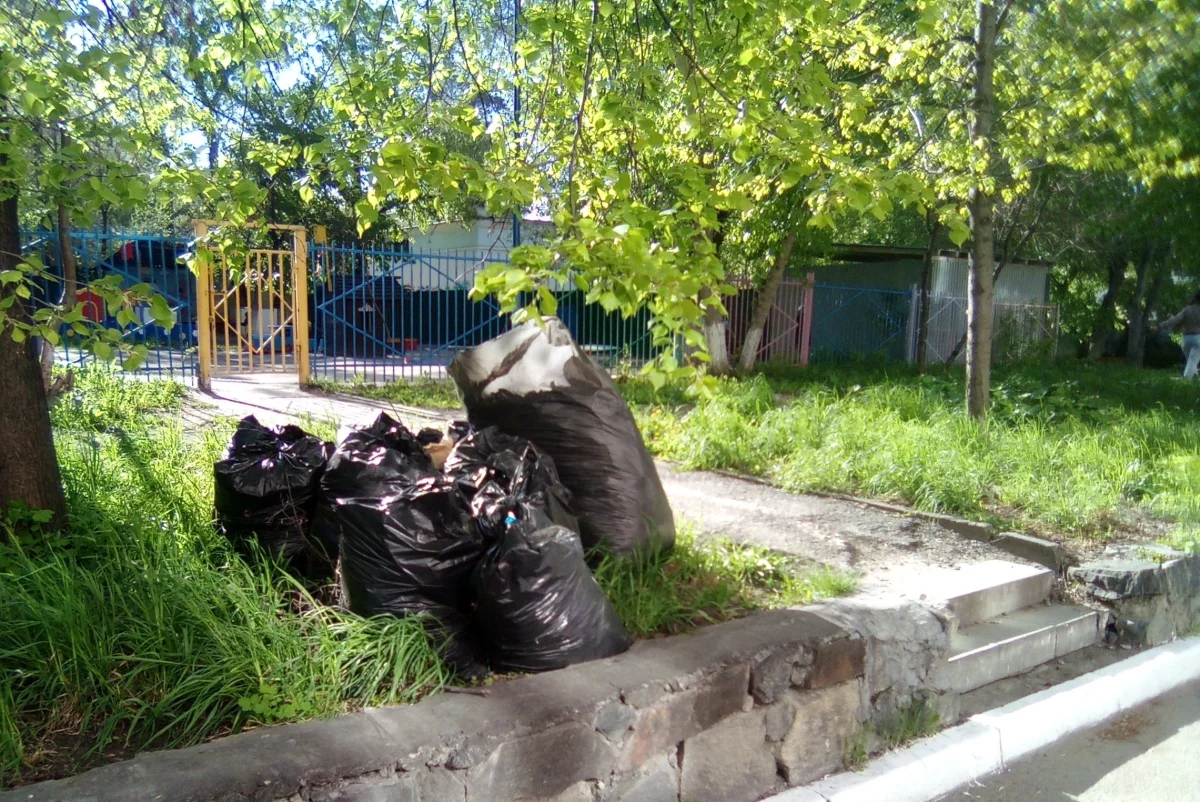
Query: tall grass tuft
x,y
705,581
1071,448
139,627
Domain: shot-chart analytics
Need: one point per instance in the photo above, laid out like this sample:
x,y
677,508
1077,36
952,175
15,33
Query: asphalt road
x,y
1146,755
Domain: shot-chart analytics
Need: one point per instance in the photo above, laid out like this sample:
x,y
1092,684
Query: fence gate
x,y
253,310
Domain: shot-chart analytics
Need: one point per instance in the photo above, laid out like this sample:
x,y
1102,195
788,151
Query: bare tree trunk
x,y
1145,292
934,227
1108,304
714,338
28,465
982,210
764,301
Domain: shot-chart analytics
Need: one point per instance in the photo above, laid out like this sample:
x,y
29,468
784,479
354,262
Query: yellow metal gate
x,y
253,312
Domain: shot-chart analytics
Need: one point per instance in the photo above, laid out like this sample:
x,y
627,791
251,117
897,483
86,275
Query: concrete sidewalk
x,y
889,552
1148,753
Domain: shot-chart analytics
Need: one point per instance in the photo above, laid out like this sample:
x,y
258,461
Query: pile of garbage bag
x,y
482,530
535,382
265,490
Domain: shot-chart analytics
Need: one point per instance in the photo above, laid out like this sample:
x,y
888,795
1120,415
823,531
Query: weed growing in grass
x,y
423,391
857,749
703,581
912,722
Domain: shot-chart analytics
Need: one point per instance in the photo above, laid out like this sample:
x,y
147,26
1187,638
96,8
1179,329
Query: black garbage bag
x,y
538,384
538,607
429,436
458,430
406,540
507,465
264,493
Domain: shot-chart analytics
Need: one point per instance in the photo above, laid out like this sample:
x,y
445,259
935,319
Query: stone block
x,y
1035,549
731,762
681,715
582,791
905,643
439,785
614,720
778,719
1113,580
543,765
824,720
836,662
771,676
660,785
390,791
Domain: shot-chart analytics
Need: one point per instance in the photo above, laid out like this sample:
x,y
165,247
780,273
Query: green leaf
x,y
549,303
160,310
609,301
102,349
133,361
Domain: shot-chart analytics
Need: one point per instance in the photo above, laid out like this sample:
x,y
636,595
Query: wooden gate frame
x,y
206,310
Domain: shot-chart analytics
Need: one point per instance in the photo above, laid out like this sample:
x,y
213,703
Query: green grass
x,y
424,392
140,628
706,581
910,723
1070,448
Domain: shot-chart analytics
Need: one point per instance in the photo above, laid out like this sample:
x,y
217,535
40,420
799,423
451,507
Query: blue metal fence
x,y
136,259
860,323
381,313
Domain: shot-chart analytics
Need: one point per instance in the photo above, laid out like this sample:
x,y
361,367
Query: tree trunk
x,y
28,465
214,149
70,285
1144,294
931,222
714,338
1108,304
763,303
982,211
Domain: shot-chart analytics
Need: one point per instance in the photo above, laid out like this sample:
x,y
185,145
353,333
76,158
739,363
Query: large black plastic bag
x,y
516,468
406,540
538,607
264,492
538,384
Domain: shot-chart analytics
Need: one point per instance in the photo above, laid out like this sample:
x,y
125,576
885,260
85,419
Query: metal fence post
x,y
810,281
204,309
300,337
914,313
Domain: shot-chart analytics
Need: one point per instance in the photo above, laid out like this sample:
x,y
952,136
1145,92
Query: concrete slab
x,y
1016,643
985,590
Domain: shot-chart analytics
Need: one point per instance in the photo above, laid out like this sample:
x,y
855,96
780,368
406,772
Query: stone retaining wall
x,y
729,713
1152,591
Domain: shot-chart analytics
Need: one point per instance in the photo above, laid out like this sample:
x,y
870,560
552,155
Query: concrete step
x,y
1013,644
983,591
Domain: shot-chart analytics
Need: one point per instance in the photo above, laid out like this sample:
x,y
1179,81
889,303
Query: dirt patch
x,y
1126,728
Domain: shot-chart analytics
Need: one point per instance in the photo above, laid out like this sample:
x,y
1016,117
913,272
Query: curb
x,y
986,743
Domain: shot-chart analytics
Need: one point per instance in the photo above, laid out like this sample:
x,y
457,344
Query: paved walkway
x,y
888,551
